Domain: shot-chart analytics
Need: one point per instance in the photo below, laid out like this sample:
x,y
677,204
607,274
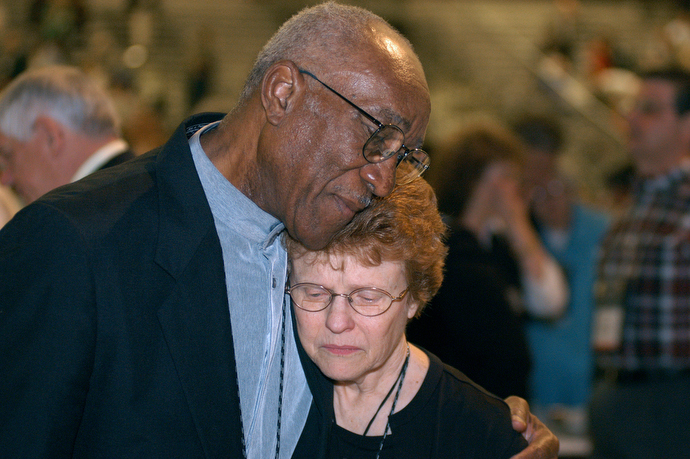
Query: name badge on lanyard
x,y
607,333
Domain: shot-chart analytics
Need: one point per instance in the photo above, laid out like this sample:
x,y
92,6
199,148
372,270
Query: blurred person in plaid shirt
x,y
642,320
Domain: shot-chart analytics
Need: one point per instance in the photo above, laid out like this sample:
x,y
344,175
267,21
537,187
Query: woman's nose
x,y
339,318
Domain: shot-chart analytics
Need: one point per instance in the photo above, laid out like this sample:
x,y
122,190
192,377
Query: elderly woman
x,y
385,397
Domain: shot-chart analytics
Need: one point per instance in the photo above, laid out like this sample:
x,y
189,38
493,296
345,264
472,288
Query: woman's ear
x,y
412,307
280,85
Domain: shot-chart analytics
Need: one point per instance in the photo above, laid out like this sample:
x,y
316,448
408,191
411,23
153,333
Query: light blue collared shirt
x,y
255,272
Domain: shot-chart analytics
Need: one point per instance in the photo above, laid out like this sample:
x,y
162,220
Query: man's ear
x,y
52,134
279,87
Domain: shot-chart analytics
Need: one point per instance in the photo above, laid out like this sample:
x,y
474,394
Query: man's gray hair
x,y
321,30
63,93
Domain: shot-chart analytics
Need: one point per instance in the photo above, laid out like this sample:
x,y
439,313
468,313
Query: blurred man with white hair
x,y
56,126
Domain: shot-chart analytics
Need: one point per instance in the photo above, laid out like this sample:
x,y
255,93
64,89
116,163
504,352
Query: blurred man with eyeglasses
x,y
157,326
642,319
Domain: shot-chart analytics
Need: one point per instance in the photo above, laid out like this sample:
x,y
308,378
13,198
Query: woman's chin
x,y
338,373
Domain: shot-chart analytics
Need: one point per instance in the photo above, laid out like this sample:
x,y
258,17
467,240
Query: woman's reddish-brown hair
x,y
403,227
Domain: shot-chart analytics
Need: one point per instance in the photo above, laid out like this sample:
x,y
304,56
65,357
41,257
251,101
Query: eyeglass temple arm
x,y
365,114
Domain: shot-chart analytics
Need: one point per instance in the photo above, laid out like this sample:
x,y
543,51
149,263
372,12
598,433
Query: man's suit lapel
x,y
195,317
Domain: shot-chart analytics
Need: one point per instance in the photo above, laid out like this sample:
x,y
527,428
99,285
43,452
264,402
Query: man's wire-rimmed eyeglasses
x,y
386,141
367,301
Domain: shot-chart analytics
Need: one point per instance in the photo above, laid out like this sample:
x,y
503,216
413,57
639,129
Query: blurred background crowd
x,y
533,93
164,59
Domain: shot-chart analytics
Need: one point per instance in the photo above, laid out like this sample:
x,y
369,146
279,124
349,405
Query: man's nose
x,y
380,176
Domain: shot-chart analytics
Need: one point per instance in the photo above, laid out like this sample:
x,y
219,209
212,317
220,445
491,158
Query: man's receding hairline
x,y
340,30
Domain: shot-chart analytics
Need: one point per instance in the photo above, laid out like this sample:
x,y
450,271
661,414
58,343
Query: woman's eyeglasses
x,y
367,301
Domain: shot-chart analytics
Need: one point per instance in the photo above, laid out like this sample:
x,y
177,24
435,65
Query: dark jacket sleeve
x,y
47,334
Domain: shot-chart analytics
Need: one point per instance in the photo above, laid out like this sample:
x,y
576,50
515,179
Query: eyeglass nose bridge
x,y
344,295
402,156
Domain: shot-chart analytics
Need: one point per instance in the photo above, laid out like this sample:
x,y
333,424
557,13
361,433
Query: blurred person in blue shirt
x,y
562,366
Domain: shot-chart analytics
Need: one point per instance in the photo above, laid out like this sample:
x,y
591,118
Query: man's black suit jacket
x,y
119,159
115,337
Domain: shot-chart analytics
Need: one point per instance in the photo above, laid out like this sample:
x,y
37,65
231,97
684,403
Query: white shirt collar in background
x,y
100,157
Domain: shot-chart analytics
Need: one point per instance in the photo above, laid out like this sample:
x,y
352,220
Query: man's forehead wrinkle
x,y
359,81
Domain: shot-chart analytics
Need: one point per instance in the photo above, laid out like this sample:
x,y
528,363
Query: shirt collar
x,y
230,206
100,157
666,181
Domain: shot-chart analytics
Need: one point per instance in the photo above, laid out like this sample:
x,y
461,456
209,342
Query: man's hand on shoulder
x,y
542,443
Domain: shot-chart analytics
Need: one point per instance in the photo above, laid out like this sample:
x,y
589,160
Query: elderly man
x,y
56,126
642,333
157,325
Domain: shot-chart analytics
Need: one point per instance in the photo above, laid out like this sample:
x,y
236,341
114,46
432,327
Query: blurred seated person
x,y
562,359
56,126
497,270
381,395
